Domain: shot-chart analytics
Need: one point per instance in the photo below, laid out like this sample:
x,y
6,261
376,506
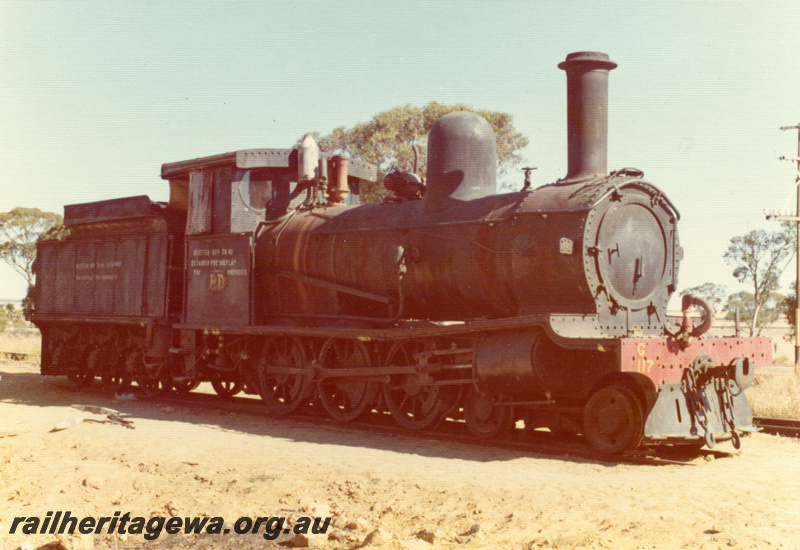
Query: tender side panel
x,y
113,270
155,275
105,254
129,263
87,276
46,276
65,278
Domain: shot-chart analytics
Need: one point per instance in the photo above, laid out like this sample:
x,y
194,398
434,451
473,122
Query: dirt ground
x,y
184,460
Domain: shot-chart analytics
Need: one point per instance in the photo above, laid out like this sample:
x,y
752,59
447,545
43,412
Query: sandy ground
x,y
186,460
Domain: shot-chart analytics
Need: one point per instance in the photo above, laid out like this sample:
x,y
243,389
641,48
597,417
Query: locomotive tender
x,y
448,300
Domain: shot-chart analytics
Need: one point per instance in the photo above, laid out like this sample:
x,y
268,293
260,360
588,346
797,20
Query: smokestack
x,y
587,114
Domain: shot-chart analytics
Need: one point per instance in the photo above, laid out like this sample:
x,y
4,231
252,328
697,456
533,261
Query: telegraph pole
x,y
796,220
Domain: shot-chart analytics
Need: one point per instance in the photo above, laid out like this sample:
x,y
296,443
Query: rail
x,y
17,356
778,426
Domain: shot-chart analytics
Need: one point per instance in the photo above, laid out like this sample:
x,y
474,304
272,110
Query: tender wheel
x,y
112,376
132,366
183,387
154,386
59,357
226,388
345,398
284,380
486,419
149,378
413,399
155,380
81,373
613,419
91,361
114,380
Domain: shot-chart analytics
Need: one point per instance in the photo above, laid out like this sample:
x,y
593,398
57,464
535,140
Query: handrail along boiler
x,y
263,274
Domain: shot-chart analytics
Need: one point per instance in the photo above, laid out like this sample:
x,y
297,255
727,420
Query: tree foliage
x,y
788,307
389,140
760,257
769,312
19,230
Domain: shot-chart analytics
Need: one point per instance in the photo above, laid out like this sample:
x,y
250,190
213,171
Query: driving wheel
x,y
486,418
412,398
613,419
345,397
283,375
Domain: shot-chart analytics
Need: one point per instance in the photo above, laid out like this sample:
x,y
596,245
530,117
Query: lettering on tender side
x,y
96,271
220,265
212,252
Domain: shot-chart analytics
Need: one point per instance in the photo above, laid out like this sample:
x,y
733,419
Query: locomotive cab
x,y
226,197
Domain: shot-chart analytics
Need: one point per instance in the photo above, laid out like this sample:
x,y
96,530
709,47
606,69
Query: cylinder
x,y
529,364
587,114
504,364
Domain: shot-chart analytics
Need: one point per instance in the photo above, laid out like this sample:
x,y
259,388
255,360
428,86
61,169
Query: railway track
x,y
538,442
16,356
778,426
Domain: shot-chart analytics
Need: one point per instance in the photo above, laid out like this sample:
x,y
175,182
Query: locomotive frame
x,y
447,301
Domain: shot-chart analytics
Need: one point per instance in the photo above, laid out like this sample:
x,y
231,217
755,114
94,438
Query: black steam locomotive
x,y
447,301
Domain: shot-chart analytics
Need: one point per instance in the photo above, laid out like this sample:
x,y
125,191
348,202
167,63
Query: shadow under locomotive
x,y
373,431
263,274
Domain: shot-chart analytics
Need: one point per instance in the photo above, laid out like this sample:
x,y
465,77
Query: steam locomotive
x,y
262,274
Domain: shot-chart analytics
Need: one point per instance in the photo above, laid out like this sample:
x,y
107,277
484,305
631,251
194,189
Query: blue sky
x,y
95,96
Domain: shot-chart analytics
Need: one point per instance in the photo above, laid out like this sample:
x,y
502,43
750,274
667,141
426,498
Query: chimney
x,y
587,114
